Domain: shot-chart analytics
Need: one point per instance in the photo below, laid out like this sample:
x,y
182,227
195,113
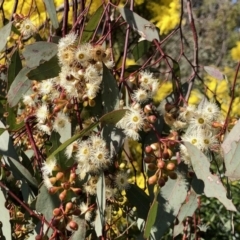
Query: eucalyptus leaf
x,y
187,210
134,194
51,9
14,67
4,33
101,204
146,29
113,117
93,22
110,92
48,69
4,218
214,72
151,219
2,130
170,200
213,186
39,52
19,87
140,49
46,203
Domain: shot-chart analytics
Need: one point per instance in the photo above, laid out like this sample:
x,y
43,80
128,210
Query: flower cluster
x,y
199,129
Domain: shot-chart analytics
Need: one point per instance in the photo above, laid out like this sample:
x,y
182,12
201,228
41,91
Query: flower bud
x,y
57,212
172,175
53,190
63,195
73,225
68,207
161,182
152,167
170,166
147,109
59,176
154,146
152,180
160,163
152,118
148,149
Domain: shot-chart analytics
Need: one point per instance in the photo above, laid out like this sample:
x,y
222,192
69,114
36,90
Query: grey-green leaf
x,y
19,87
110,92
170,199
48,69
101,202
187,210
145,28
231,150
214,72
14,68
46,203
4,33
51,9
5,218
151,219
39,52
213,186
140,49
113,117
90,28
81,232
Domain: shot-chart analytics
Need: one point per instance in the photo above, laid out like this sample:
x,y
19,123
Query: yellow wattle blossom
x,y
235,52
166,14
195,97
164,90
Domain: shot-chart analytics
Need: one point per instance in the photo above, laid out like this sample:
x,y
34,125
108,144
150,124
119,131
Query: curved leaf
x,y
5,218
19,87
170,199
140,49
134,194
151,219
90,28
101,202
187,210
146,29
46,203
51,9
4,33
213,186
214,72
39,52
48,69
113,117
110,92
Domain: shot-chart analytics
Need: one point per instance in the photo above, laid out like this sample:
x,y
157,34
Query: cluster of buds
x,y
159,159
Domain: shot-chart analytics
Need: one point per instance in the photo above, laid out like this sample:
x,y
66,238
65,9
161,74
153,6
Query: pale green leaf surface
x,y
213,186
91,25
46,202
101,204
51,9
145,28
39,52
151,219
19,87
170,199
231,150
81,232
5,218
4,33
187,210
140,49
214,72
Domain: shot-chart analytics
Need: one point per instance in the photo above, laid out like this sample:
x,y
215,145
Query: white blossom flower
x,y
28,100
85,210
194,137
67,41
42,113
60,122
131,133
121,181
91,74
47,182
66,57
146,80
207,140
44,128
140,95
71,149
82,54
48,166
27,28
210,110
46,86
92,90
84,151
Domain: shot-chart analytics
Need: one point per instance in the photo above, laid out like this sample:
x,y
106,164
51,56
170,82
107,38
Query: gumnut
x,y
73,225
152,180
